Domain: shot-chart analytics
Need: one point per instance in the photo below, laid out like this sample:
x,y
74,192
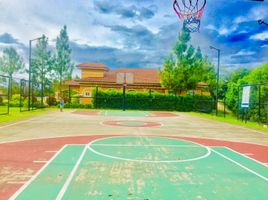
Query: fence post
x,y
9,88
96,96
238,103
259,108
124,97
70,100
224,110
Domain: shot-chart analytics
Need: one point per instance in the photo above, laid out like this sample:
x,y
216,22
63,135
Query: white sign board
x,y
245,97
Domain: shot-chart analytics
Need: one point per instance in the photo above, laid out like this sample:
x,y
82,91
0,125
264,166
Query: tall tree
x,y
63,67
185,69
170,75
42,64
11,62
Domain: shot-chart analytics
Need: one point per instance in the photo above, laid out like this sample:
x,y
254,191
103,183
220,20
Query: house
x,y
97,75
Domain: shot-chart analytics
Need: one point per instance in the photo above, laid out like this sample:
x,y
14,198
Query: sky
x,y
137,33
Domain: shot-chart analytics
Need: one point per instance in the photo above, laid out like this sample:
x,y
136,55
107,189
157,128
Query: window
x,y
87,94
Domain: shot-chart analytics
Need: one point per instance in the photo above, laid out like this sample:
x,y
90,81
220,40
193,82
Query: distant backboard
x,y
124,78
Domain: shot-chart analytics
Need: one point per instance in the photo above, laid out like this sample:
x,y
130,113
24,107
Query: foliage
x,y
42,64
186,67
11,62
155,101
51,101
62,65
234,92
1,100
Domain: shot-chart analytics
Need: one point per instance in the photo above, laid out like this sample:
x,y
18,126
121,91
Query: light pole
x,y
30,71
218,77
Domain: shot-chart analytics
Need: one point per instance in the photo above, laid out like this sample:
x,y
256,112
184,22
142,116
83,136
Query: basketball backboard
x,y
124,78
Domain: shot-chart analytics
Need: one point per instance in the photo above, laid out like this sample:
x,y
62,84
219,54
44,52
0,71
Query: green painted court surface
x,y
125,113
148,168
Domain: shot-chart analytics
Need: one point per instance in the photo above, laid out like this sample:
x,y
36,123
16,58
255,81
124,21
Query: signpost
x,y
245,97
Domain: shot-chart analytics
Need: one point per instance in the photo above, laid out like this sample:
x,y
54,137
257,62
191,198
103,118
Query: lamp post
x,y
30,71
218,76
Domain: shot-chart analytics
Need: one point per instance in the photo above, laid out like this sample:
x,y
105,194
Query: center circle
x,y
132,123
148,149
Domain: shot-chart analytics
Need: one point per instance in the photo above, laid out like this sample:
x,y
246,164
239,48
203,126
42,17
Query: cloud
x,y
132,11
7,39
260,36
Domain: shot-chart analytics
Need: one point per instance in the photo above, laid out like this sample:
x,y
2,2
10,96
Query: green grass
x,y
232,120
15,114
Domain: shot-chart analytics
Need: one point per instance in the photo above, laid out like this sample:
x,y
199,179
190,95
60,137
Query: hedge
x,y
154,101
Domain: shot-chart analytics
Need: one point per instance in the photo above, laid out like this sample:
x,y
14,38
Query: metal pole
x,y
8,97
218,77
259,107
124,94
30,71
217,88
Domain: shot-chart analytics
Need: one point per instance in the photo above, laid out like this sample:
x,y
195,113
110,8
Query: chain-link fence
x,y
257,109
4,94
147,99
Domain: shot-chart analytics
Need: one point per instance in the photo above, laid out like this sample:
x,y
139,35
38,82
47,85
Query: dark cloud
x,y
131,12
115,58
135,37
7,39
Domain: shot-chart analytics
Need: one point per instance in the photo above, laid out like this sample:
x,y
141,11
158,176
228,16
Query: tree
x,y
208,76
170,75
63,67
11,62
187,68
233,82
42,64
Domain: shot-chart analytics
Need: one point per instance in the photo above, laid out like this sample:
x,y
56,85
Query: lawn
x,y
232,120
15,114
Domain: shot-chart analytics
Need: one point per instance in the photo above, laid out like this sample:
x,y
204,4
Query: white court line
x,y
20,122
247,157
148,161
248,154
144,145
51,151
69,179
240,165
14,196
16,182
171,136
40,161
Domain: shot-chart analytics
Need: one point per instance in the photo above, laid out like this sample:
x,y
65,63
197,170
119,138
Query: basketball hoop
x,y
190,11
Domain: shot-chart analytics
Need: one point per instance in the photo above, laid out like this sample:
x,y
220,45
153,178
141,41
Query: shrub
x,y
155,101
51,101
1,100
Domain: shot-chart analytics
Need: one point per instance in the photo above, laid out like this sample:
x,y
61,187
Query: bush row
x,y
154,101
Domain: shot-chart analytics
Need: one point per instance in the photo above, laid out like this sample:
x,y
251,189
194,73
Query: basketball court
x,y
127,155
83,154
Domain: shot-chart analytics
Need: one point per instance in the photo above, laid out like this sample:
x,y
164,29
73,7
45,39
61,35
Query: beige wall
x,y
86,73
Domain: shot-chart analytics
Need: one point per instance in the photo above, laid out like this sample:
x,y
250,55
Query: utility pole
x,y
30,72
218,78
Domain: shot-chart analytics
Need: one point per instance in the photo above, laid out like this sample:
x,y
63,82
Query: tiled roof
x,y
141,76
71,83
90,65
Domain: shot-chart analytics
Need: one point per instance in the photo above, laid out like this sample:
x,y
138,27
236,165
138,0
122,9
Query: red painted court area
x,y
151,114
21,160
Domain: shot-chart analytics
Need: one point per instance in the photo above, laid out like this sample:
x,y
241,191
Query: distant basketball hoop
x,y
190,12
124,78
